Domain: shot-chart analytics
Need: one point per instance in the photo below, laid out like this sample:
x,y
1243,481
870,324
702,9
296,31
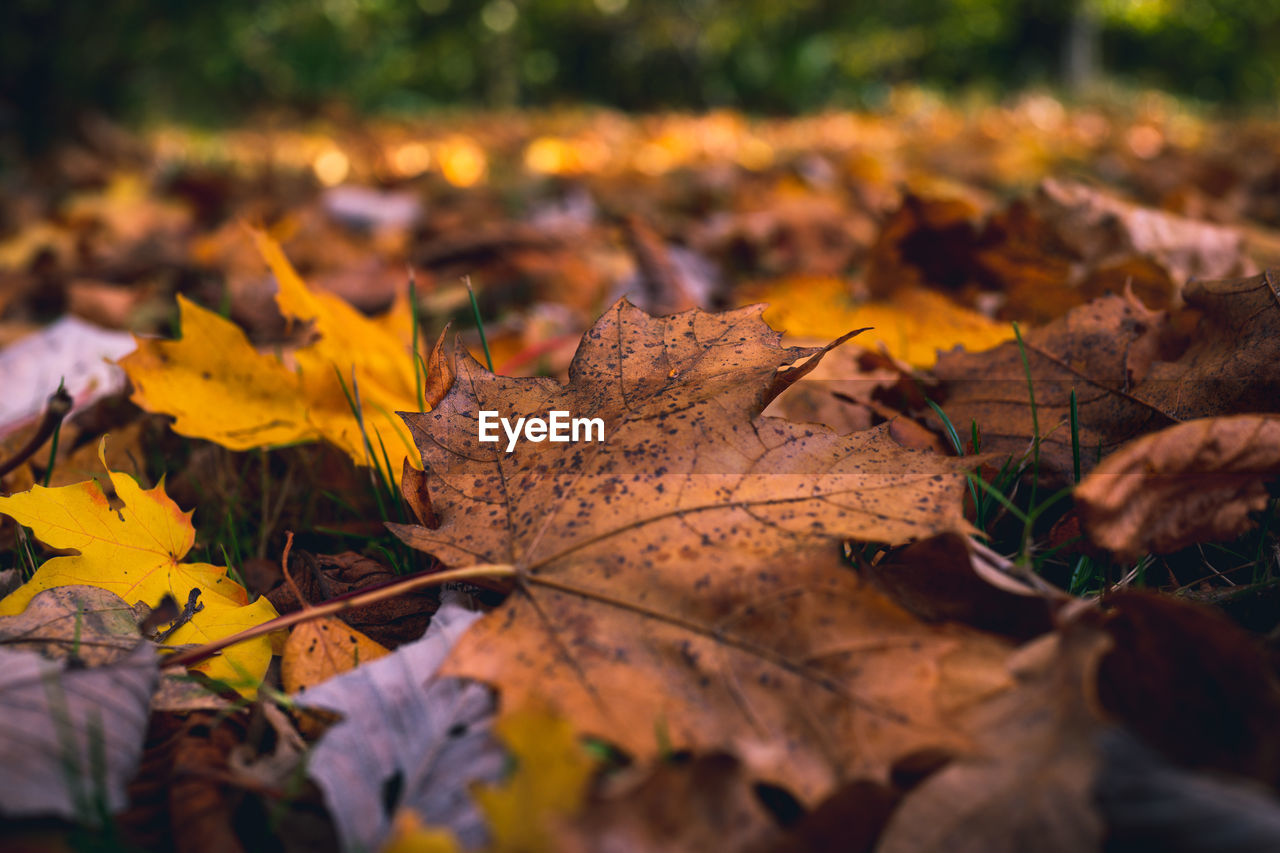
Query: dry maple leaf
x,y
1100,350
1193,482
1106,351
1044,254
136,552
1233,364
1029,784
684,576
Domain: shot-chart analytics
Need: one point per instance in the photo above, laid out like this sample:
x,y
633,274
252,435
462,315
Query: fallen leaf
x,y
1197,481
196,795
71,738
664,288
1151,803
68,351
136,552
408,741
1101,350
928,240
91,625
660,590
321,577
938,579
1231,366
1108,352
218,387
912,323
702,803
409,834
1044,255
1093,223
1028,784
1192,684
322,648
848,821
549,782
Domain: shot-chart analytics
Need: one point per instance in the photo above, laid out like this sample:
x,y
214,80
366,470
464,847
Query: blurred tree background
x,y
207,62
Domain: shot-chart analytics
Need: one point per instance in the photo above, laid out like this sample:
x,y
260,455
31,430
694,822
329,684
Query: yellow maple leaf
x,y
409,834
136,552
218,387
913,323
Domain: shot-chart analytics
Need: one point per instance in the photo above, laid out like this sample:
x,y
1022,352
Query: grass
x,y
475,311
1018,521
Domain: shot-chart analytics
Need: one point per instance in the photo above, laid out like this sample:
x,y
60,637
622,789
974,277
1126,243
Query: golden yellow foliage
x,y
912,323
218,387
410,835
549,782
136,550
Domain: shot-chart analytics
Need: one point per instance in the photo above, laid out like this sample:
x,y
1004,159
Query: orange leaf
x,y
318,650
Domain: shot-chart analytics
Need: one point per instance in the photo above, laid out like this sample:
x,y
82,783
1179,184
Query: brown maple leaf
x,y
1107,352
682,581
1200,481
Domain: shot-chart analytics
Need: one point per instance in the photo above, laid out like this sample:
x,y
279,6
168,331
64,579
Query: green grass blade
x,y
1001,499
952,435
419,376
57,431
954,438
475,310
1075,435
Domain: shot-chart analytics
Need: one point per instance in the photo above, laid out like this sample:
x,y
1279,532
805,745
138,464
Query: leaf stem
x,y
199,653
55,410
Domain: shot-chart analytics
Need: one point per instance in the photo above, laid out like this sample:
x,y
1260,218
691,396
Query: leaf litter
x,y
791,631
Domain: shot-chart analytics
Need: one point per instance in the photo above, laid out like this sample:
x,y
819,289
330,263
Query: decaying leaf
x,y
1197,481
217,386
136,552
1101,350
321,648
1107,352
1233,363
939,579
1093,224
1043,255
407,741
703,803
92,625
684,575
1029,784
1193,684
321,577
71,738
